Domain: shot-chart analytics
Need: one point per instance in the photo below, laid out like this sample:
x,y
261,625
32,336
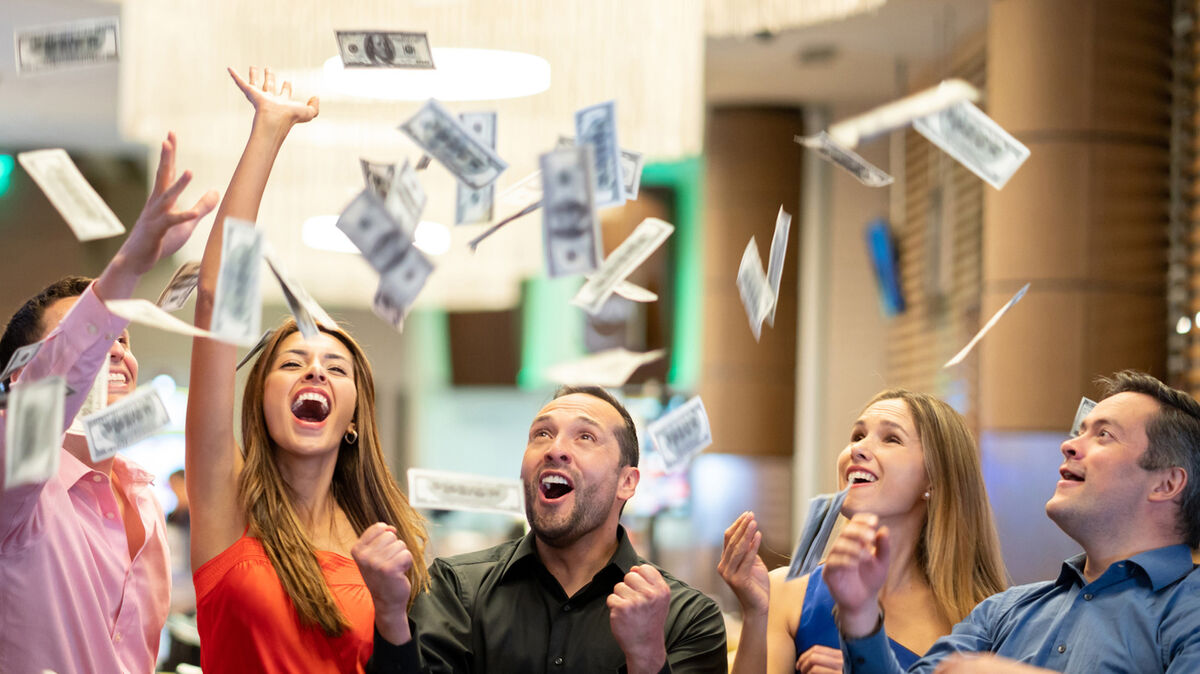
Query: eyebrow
x,y
580,418
883,422
305,353
1102,421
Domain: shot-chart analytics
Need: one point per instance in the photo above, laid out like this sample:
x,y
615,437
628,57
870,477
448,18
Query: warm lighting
x,y
1184,325
320,232
461,75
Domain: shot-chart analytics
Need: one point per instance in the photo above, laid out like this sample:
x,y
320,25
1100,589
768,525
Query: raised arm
x,y
213,459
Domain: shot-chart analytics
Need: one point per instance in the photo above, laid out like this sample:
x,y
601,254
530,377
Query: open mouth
x,y
117,379
311,406
1069,476
555,486
860,477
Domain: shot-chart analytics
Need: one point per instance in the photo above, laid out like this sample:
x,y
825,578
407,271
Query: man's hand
x,y
638,615
742,569
384,561
820,660
984,663
855,572
272,103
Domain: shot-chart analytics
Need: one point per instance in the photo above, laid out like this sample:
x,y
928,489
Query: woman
x,y
912,462
274,524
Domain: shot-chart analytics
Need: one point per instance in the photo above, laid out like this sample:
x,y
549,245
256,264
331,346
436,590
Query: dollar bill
x,y
525,191
237,302
369,225
1086,405
783,223
96,400
148,313
596,125
423,162
377,176
474,243
902,112
302,306
77,44
384,49
829,149
33,431
130,420
85,212
254,350
634,293
20,359
631,167
681,434
610,368
406,198
958,358
183,282
440,134
399,286
442,490
570,228
633,251
966,133
823,511
475,205
754,288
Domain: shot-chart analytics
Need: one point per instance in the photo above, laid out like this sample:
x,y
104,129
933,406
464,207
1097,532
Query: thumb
x,y
883,546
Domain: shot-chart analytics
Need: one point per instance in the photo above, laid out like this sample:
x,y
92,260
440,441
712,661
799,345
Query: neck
x,y
310,480
1105,551
574,565
76,446
903,571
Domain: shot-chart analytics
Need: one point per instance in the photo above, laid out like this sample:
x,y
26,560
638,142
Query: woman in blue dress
x,y
912,462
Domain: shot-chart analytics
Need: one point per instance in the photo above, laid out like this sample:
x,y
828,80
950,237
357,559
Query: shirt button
x,y
1062,649
109,515
1087,597
117,637
558,661
566,607
91,329
97,478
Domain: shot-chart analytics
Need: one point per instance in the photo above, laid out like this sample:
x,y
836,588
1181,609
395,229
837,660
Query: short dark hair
x,y
1173,439
627,438
25,327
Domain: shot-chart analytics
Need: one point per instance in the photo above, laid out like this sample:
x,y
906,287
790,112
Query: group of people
x,y
309,558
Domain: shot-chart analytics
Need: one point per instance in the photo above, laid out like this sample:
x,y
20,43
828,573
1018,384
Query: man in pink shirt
x,y
84,567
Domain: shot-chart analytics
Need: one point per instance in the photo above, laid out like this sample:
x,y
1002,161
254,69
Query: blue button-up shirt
x,y
1141,615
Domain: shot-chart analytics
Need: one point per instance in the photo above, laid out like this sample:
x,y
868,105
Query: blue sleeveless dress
x,y
817,628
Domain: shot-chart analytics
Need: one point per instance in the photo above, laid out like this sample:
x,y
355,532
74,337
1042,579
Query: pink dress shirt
x,y
71,600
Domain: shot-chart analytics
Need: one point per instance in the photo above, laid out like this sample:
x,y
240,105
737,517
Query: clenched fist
x,y
384,561
638,615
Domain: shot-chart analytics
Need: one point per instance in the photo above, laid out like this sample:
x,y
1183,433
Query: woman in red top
x,y
274,524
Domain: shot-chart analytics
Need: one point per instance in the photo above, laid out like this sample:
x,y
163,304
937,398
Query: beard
x,y
589,510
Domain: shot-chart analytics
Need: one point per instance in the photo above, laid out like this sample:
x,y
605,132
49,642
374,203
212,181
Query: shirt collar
x,y
624,558
72,470
1162,566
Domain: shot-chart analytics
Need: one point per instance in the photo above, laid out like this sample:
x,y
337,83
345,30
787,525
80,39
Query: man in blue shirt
x,y
1129,603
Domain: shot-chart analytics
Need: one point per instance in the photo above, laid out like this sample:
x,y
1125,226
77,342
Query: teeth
x,y
116,377
308,395
555,479
860,475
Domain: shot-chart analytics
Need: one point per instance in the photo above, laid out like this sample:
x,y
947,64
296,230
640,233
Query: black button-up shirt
x,y
500,610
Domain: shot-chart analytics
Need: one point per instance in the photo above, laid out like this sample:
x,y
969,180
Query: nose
x,y
315,371
1070,447
859,450
557,451
117,350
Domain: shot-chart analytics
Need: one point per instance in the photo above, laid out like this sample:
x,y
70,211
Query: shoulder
x,y
470,569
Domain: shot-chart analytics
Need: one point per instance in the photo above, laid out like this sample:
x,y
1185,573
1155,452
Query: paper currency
x,y
237,302
440,134
631,167
19,359
474,243
754,288
77,44
988,326
406,198
33,431
902,112
634,293
304,308
1086,405
96,400
570,228
131,419
145,312
783,223
183,282
369,225
400,285
866,172
475,205
523,192
85,212
681,434
964,132
423,162
441,490
258,346
378,176
611,368
596,125
384,49
823,511
633,251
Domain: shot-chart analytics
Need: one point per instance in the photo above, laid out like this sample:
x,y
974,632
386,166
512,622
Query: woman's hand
x,y
742,569
274,104
820,660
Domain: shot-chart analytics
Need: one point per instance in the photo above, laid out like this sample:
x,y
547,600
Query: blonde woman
x,y
912,463
279,523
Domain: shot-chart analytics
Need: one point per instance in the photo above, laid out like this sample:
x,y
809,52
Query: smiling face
x,y
122,366
309,394
884,464
574,483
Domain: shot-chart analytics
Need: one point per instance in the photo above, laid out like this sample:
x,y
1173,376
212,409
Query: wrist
x,y
117,281
393,626
647,661
859,623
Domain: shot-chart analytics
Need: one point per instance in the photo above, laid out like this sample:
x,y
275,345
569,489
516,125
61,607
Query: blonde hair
x,y
362,486
958,549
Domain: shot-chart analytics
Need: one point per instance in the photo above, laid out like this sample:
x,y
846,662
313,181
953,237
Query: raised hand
x,y
742,569
820,660
638,616
272,103
384,561
855,571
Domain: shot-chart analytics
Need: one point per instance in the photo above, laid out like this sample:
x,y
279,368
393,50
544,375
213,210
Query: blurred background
x,y
1099,219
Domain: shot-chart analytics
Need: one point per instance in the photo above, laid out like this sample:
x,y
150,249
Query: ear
x,y
1168,484
627,482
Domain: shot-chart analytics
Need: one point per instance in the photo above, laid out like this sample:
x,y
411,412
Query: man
x,y
573,595
84,577
1130,602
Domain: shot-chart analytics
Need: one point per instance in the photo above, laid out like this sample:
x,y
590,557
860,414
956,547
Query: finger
x,y
206,203
269,81
883,545
623,591
372,532
315,104
242,84
638,583
734,527
255,81
650,573
173,191
161,179
286,89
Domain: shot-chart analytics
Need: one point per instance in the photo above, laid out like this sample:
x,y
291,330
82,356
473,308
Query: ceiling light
x,y
432,238
1183,325
461,75
320,232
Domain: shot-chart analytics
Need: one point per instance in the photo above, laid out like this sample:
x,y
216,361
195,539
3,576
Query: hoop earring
x,y
350,437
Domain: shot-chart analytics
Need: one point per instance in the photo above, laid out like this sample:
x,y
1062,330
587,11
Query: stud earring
x,y
926,496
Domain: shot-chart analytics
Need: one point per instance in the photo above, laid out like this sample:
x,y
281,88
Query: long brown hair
x,y
362,486
958,549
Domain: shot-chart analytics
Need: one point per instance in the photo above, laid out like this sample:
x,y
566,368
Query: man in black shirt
x,y
573,595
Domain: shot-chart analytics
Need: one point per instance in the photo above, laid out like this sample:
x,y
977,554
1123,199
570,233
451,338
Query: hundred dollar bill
x,y
570,228
377,176
596,125
400,285
754,288
631,167
384,49
964,132
71,45
634,293
441,490
145,312
259,346
183,282
902,112
611,368
33,431
632,252
131,419
475,205
783,223
681,434
474,243
237,302
66,188
304,308
20,358
1086,405
823,511
829,149
369,225
523,192
440,134
96,400
406,198
958,358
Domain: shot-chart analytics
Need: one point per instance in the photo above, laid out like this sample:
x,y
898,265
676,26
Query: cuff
x,y
98,323
872,649
388,657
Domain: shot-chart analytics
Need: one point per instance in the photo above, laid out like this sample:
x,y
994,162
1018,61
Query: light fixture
x,y
1184,325
461,75
320,232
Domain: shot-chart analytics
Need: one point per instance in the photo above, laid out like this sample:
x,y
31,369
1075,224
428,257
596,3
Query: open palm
x,y
275,101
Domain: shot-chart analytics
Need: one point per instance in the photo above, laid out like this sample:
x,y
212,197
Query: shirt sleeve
x,y
696,639
873,654
388,658
1180,630
442,622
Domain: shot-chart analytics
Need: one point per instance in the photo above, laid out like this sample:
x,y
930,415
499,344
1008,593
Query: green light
x,y
6,170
